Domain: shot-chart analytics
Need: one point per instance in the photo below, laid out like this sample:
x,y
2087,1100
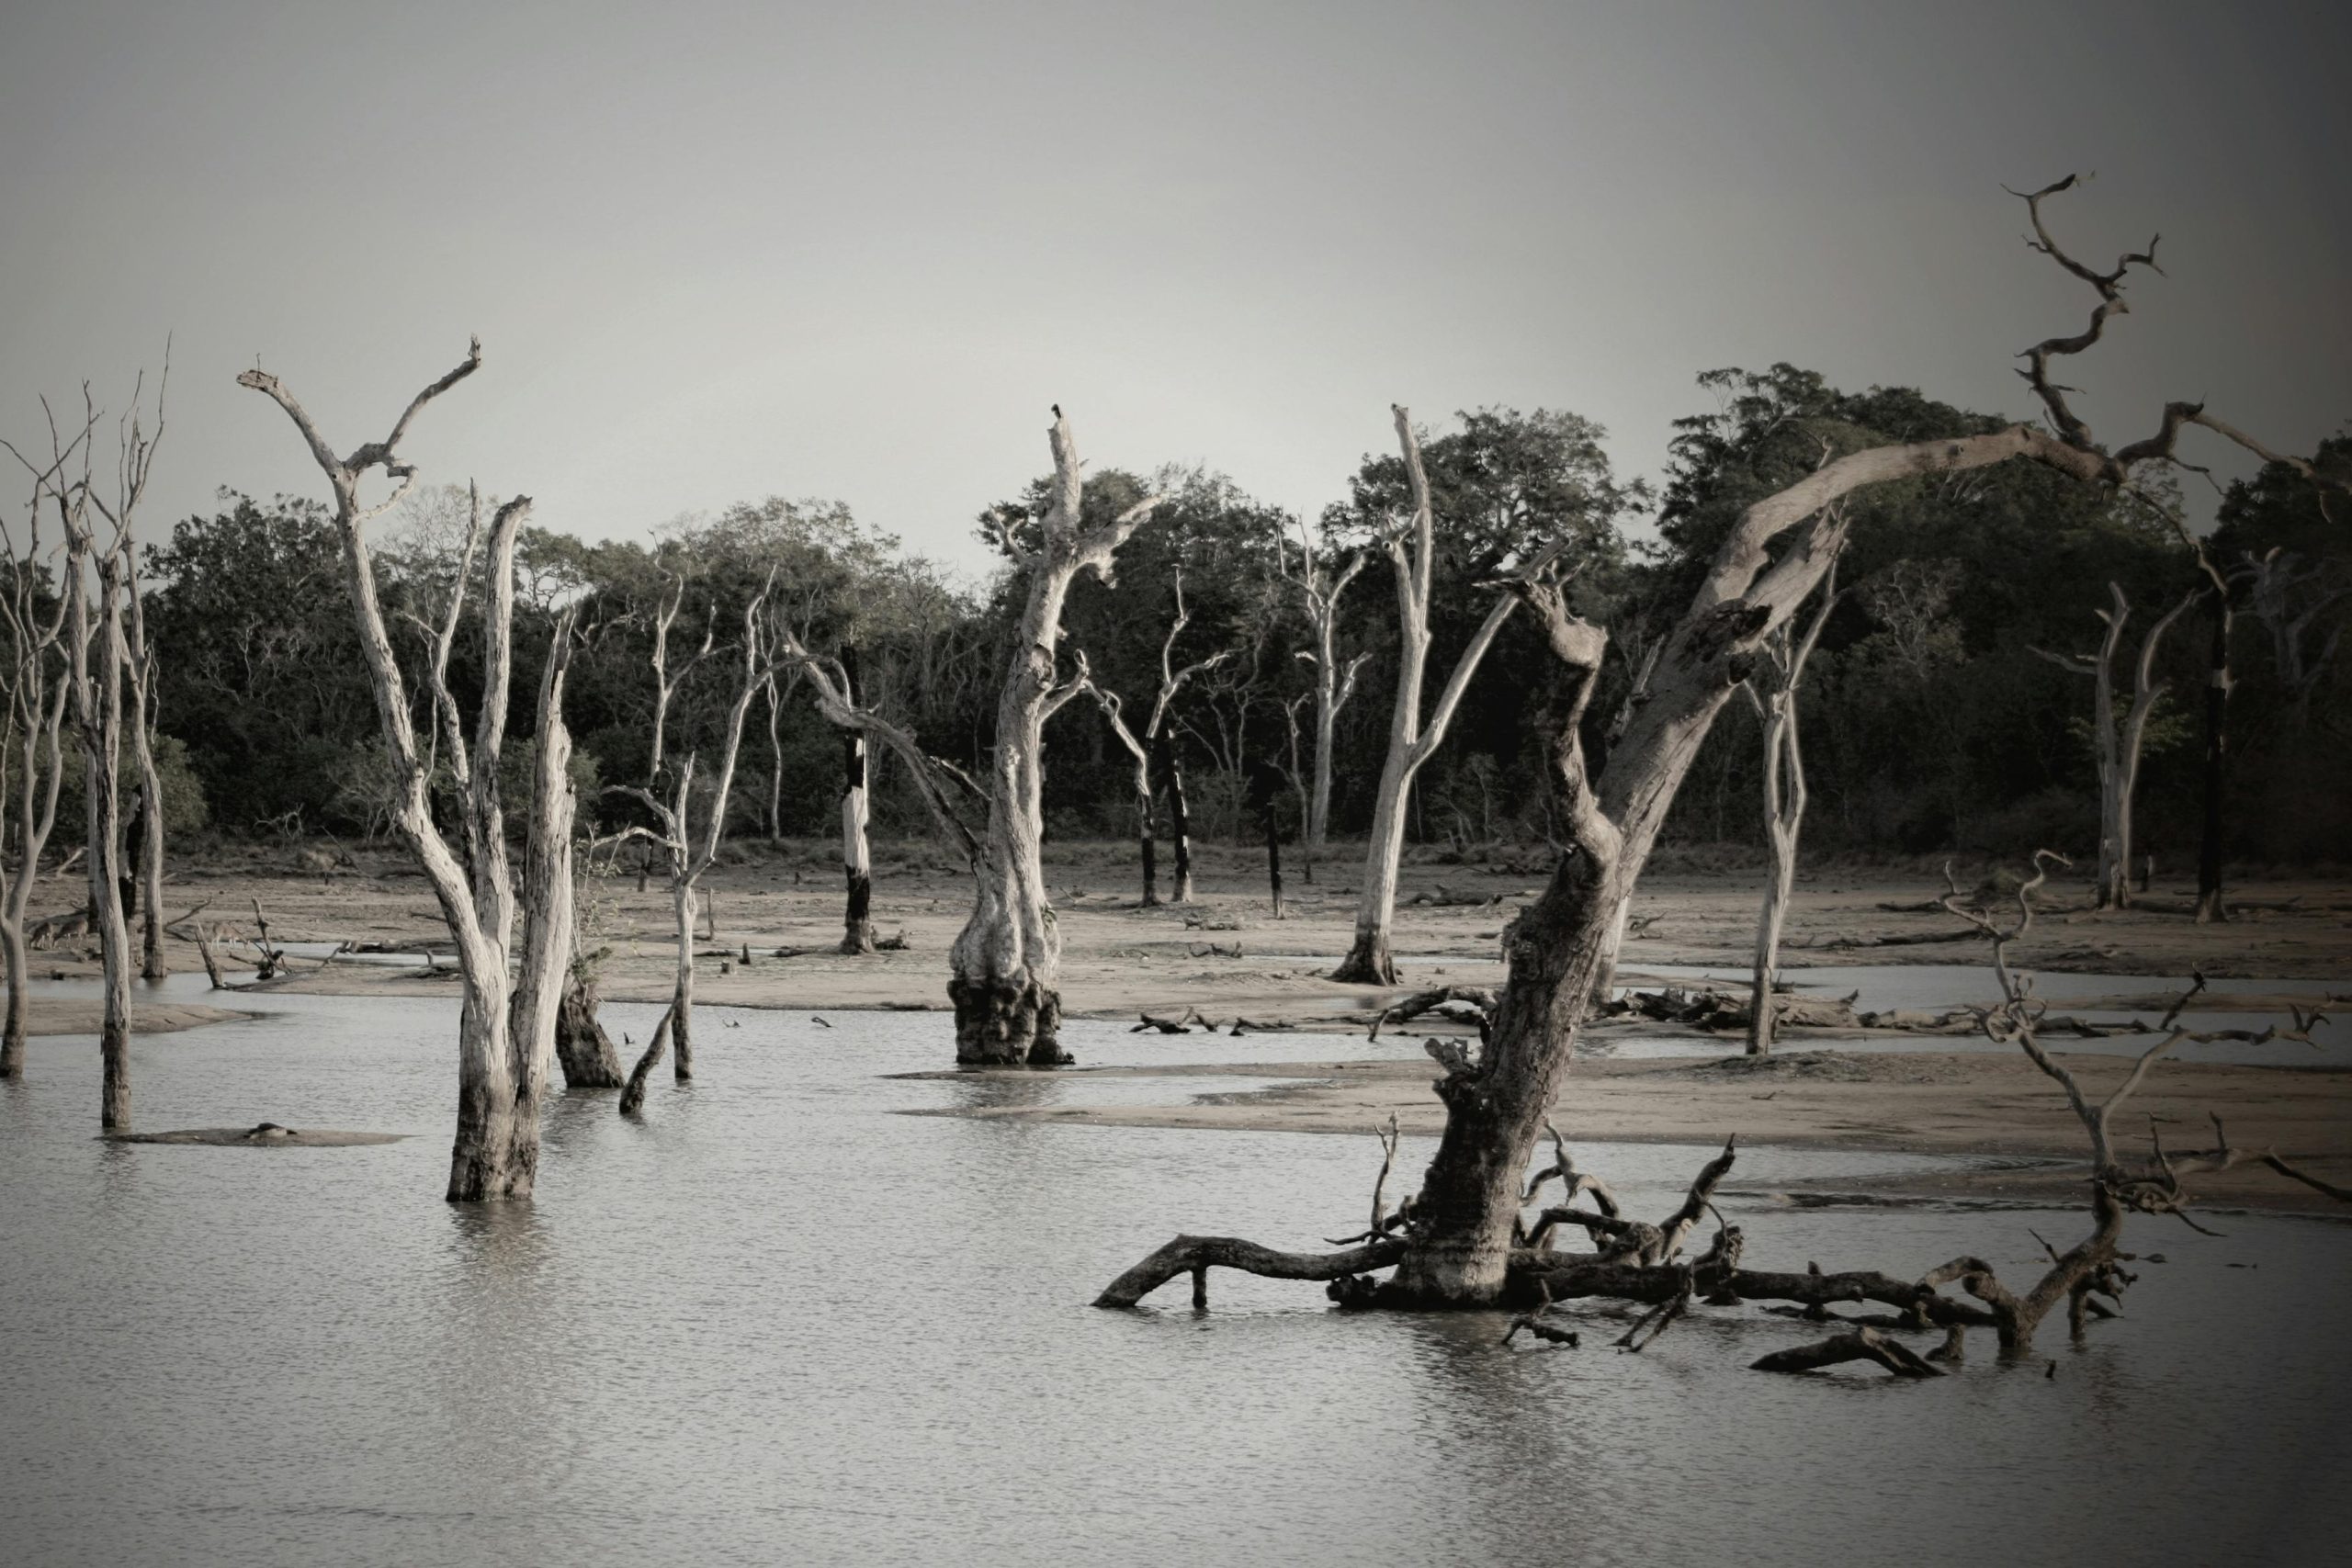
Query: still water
x,y
780,1321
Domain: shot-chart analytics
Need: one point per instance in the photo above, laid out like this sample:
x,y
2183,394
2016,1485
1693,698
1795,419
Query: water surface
x,y
780,1321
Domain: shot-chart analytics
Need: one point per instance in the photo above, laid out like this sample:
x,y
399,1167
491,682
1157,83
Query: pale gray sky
x,y
718,250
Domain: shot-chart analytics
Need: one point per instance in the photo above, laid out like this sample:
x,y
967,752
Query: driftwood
x,y
1859,1345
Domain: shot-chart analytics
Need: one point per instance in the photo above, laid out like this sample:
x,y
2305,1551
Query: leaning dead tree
x,y
1457,1242
1413,737
1319,591
2116,742
506,1019
673,832
1003,963
1155,758
1641,1261
32,758
1772,688
938,782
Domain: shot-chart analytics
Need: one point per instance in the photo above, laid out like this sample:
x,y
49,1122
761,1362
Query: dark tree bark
x,y
582,1045
2210,905
857,859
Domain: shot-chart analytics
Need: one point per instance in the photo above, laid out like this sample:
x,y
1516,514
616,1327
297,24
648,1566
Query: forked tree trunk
x,y
1461,1246
1002,964
13,1031
1412,740
857,859
1333,687
97,705
1155,754
1782,678
503,1049
2117,743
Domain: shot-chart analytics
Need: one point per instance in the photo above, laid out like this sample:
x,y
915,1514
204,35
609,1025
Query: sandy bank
x,y
1909,1102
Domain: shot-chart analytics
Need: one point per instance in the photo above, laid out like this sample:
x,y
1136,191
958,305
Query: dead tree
x,y
1458,1249
1155,759
2289,596
32,756
96,657
1413,738
2116,743
1003,963
1774,691
674,831
1639,1260
1320,589
139,681
857,856
837,696
506,1020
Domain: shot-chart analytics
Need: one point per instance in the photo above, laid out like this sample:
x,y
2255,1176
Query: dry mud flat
x,y
1226,955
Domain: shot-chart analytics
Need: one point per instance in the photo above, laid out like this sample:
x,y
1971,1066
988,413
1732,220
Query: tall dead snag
x,y
858,857
1319,590
1457,1251
1155,758
1003,963
1413,739
139,679
2116,744
32,758
673,832
505,1026
1772,688
96,658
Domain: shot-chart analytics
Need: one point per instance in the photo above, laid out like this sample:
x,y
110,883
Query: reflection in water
x,y
777,1321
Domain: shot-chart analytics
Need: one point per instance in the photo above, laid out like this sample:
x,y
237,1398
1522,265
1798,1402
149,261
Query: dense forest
x,y
1936,719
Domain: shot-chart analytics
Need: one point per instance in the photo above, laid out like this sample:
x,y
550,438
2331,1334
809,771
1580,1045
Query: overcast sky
x,y
718,251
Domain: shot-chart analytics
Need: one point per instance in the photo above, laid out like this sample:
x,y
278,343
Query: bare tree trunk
x,y
140,673
1002,964
775,765
12,1036
1411,741
2117,744
581,1044
2210,905
1180,819
501,1070
857,859
681,994
1154,751
35,720
1333,686
1782,677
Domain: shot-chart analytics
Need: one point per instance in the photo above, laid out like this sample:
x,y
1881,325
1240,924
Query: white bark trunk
x,y
1411,741
500,1075
1002,964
